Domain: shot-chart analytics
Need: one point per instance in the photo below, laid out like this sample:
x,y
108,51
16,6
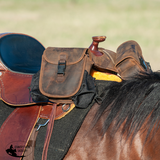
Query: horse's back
x,y
90,143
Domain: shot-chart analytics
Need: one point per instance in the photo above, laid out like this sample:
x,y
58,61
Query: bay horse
x,y
125,126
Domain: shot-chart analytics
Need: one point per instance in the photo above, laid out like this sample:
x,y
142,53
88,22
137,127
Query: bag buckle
x,y
61,67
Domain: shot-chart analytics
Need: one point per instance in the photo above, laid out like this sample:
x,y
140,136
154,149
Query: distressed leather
x,y
77,60
59,87
106,62
130,60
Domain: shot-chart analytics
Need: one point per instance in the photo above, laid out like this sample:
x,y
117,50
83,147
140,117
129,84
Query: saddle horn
x,y
94,46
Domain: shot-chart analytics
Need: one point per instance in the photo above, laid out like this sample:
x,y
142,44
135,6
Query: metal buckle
x,y
41,125
61,67
65,110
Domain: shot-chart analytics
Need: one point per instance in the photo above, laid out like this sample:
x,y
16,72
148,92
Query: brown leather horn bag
x,y
62,71
130,60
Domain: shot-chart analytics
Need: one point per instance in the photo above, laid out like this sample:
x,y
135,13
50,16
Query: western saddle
x,y
20,59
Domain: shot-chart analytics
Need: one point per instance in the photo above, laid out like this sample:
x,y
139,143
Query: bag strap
x,y
49,132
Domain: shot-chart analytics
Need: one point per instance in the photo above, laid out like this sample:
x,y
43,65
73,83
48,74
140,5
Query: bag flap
x,y
130,60
129,49
70,55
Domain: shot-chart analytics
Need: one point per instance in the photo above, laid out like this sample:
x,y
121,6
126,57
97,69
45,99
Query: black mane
x,y
132,102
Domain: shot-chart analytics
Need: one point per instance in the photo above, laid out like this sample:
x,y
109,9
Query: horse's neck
x,y
89,143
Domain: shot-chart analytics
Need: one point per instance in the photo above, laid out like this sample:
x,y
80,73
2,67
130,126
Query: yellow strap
x,y
105,76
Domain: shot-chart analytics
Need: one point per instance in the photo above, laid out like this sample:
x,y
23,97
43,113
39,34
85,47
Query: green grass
x,y
72,23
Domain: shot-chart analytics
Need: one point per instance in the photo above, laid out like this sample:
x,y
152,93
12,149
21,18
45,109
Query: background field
x,y
72,23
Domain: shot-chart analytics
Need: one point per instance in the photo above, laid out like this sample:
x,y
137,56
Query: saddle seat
x,y
20,58
20,53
